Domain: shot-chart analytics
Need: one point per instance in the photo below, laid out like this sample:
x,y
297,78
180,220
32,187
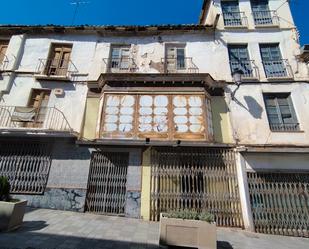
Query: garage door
x,y
280,202
200,179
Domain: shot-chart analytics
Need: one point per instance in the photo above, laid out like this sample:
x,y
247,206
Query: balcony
x,y
248,67
27,118
284,127
120,65
235,19
56,69
265,18
4,61
280,69
179,65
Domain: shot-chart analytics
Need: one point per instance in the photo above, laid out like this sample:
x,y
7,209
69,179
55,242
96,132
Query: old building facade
x,y
141,120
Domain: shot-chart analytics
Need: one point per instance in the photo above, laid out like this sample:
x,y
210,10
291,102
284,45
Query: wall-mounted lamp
x,y
237,78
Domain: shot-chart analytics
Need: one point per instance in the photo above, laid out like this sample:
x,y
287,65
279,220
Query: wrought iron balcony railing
x,y
265,18
44,118
179,65
4,61
235,19
120,65
57,67
248,67
285,127
278,69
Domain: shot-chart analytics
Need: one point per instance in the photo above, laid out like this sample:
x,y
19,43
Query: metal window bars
x,y
248,67
179,65
120,65
235,19
278,69
266,17
284,127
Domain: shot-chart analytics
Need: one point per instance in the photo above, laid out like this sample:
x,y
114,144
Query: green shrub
x,y
4,189
190,215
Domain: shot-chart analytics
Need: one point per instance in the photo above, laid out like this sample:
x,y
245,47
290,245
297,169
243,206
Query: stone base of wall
x,y
60,198
133,204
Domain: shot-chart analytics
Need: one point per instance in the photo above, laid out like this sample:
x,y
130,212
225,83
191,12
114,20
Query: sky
x,y
122,12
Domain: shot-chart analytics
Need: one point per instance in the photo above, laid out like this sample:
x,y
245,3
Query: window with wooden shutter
x,y
120,59
280,112
231,13
239,59
274,65
59,59
3,48
175,58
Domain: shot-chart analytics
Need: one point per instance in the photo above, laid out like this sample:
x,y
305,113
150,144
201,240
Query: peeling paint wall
x,y
249,117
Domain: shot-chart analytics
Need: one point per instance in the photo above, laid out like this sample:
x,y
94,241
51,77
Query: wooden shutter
x,y
3,49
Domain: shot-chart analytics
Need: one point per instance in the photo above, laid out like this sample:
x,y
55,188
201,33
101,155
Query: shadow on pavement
x,y
25,238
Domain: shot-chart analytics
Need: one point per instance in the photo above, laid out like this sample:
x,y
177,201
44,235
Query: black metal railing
x,y
264,18
284,127
278,69
179,65
248,67
120,65
235,19
56,67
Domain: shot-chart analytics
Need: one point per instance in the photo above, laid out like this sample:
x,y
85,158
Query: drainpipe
x,y
15,66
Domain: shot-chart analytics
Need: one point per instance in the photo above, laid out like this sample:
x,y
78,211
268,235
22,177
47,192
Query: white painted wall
x,y
280,6
278,161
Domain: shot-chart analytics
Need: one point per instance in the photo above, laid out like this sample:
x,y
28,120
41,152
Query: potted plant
x,y
11,210
188,229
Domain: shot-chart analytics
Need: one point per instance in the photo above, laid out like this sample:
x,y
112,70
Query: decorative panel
x,y
157,116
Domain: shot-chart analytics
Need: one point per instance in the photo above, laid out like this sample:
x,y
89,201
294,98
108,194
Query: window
x,y
59,60
231,14
261,13
273,64
3,48
156,116
239,59
120,58
175,58
280,112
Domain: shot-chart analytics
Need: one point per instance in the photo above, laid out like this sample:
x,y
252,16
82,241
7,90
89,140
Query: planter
x,y
11,215
188,233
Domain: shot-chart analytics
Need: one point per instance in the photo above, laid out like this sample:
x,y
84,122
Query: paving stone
x,y
50,229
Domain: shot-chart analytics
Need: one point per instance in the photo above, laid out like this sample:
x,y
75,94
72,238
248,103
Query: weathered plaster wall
x,y
91,117
71,103
249,117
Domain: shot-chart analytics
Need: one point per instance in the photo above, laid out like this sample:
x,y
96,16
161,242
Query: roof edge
x,y
205,8
18,29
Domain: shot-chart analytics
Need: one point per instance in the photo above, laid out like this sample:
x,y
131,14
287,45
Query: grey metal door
x,y
106,192
280,202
